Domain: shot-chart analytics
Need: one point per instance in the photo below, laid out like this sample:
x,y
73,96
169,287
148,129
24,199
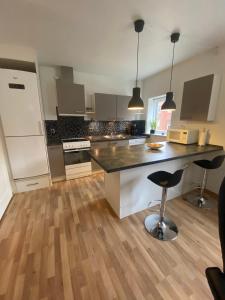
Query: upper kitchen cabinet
x,y
113,107
105,107
123,113
71,98
20,110
200,97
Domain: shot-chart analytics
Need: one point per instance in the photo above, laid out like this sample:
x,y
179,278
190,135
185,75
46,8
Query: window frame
x,y
152,113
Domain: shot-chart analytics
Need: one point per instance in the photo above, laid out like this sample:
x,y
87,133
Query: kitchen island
x,y
126,169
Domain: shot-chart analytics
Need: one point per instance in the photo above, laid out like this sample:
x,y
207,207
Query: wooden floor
x,y
66,243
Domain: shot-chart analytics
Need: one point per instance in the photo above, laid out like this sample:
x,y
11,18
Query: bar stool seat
x,y
159,226
200,200
215,163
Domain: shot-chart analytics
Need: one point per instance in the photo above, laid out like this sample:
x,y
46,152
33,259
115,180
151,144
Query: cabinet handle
x,y
79,111
31,184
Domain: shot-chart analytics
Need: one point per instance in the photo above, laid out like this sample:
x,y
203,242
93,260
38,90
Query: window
x,y
161,118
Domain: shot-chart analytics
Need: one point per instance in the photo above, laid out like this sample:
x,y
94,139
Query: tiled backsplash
x,y
68,127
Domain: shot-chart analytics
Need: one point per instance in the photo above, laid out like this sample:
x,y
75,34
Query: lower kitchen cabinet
x,y
56,162
134,142
95,167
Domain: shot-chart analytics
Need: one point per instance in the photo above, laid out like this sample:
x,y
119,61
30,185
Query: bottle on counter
x,y
202,137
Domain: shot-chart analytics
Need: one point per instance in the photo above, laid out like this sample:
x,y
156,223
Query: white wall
x,y
17,52
93,84
210,62
103,84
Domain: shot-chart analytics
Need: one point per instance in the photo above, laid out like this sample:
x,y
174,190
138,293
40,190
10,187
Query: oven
x,y
76,158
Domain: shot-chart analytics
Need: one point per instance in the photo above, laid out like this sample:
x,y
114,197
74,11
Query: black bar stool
x,y
215,276
200,200
159,226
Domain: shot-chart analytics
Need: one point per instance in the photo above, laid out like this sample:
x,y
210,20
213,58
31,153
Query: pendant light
x,y
169,104
136,102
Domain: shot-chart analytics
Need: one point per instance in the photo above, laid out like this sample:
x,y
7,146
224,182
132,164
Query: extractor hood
x,y
71,97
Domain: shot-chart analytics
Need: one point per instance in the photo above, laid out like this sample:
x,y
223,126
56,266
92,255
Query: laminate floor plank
x,y
65,243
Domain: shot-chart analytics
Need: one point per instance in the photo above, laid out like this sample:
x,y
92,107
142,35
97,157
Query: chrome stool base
x,y
164,230
200,201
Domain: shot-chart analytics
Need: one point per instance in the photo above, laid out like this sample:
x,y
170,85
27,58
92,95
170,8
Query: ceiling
x,y
97,36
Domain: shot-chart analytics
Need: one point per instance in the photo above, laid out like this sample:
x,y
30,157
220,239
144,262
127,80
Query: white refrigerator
x,y
21,119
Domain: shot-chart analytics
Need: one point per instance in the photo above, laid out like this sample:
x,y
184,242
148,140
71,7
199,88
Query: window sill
x,y
157,134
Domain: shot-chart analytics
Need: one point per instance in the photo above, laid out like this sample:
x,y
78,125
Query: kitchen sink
x,y
114,136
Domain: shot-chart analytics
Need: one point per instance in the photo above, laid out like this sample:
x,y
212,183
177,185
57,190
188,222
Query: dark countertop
x,y
113,159
124,137
98,138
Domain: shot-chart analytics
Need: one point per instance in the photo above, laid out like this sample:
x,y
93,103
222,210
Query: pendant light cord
x,y
137,59
171,73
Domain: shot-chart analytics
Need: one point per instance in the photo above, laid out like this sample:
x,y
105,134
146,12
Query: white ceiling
x,y
97,36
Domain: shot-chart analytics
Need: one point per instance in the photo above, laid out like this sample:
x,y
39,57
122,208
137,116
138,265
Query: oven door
x,y
75,157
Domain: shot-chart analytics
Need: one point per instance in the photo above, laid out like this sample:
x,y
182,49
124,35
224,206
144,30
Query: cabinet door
x,y
134,142
71,99
95,167
19,103
105,107
56,161
27,156
123,113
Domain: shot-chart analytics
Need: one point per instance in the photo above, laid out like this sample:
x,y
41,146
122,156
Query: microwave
x,y
183,136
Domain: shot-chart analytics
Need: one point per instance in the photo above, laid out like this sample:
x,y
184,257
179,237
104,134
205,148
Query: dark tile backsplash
x,y
69,127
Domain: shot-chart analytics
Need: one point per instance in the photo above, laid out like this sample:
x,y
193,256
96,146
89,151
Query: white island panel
x,y
129,191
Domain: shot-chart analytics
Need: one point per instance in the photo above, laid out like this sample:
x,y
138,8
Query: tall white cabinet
x,y
22,123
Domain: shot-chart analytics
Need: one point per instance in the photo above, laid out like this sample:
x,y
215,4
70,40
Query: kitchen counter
x,y
127,188
122,158
51,141
119,137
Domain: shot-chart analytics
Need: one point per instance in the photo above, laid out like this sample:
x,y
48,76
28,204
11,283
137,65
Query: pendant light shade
x,y
169,103
136,103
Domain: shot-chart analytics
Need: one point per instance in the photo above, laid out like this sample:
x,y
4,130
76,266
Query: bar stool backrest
x,y
217,161
221,214
176,177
